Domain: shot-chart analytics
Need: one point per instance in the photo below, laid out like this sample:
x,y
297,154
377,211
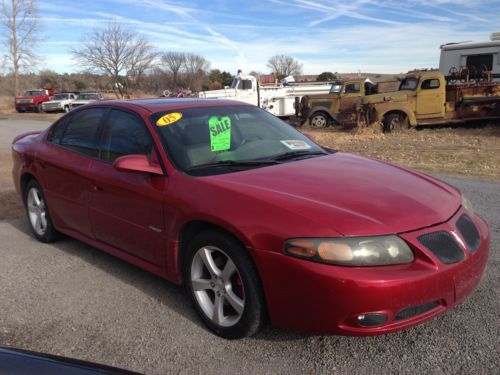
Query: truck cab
x,y
322,109
421,96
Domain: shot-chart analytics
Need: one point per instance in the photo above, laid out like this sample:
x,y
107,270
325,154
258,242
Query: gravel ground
x,y
70,299
11,127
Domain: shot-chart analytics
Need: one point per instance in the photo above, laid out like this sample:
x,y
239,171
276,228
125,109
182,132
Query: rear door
x,y
126,208
64,163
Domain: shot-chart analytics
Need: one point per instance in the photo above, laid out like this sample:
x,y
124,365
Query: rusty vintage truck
x,y
337,106
426,97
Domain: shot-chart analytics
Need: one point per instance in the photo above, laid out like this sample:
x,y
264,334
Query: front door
x,y
351,95
126,208
430,99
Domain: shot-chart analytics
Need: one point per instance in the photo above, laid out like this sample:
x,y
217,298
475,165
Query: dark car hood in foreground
x,y
24,362
349,194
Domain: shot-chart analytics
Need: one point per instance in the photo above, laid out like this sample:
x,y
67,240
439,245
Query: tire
x,y
396,123
38,108
37,212
224,285
319,120
66,108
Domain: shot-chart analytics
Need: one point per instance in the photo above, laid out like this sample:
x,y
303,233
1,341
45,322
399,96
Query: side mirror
x,y
136,163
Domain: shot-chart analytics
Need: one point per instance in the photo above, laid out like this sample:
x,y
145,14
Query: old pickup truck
x,y
428,98
32,100
339,104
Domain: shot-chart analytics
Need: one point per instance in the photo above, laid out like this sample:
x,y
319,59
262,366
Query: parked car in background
x,y
32,100
85,98
60,102
252,216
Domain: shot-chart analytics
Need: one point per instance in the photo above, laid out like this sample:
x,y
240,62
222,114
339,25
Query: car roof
x,y
160,105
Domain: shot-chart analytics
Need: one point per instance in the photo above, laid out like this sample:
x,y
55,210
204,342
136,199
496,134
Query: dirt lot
x,y
473,152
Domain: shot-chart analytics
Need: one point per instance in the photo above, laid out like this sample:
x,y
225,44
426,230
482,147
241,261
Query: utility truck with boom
x,y
276,98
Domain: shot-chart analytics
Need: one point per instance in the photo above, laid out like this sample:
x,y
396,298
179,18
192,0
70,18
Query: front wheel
x,y
396,123
38,213
39,108
66,108
224,285
319,120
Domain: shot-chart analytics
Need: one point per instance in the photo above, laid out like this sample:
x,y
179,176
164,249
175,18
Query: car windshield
x,y
335,89
61,97
34,93
88,97
223,138
408,84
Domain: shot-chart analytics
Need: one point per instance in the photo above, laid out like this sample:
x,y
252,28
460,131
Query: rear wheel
x,y
319,120
38,213
224,285
396,123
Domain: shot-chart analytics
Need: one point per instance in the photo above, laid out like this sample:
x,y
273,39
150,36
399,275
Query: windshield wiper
x,y
233,163
295,154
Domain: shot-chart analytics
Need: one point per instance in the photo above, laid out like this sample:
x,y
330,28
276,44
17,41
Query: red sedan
x,y
257,220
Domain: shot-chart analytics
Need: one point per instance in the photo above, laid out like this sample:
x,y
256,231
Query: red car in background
x,y
253,217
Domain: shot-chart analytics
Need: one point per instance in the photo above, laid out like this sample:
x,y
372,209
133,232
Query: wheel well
x,y
323,111
400,113
25,179
191,229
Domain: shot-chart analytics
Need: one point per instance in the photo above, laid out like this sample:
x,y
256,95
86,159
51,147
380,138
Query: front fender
x,y
315,110
383,108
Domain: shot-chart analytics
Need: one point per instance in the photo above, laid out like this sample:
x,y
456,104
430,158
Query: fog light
x,y
372,319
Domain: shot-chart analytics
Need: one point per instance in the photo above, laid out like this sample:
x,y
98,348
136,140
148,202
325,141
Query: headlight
x,y
467,204
352,251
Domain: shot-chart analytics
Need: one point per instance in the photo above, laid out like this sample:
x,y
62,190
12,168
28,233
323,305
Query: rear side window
x,y
81,132
124,134
57,130
429,84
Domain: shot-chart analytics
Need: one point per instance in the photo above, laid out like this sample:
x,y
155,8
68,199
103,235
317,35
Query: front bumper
x,y
328,299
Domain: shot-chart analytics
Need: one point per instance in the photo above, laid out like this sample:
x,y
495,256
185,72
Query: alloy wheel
x,y
217,286
37,212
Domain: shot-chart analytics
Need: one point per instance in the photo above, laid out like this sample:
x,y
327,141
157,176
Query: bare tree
x,y
174,62
284,65
196,68
20,19
117,53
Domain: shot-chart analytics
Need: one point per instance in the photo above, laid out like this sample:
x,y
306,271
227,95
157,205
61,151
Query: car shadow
x,y
170,295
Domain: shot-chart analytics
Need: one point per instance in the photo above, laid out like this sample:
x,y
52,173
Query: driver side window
x,y
124,134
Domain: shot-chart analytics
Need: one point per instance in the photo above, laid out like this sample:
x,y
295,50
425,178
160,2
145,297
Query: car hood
x,y
56,101
349,194
83,101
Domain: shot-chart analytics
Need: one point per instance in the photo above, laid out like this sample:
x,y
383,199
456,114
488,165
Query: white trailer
x,y
476,57
278,99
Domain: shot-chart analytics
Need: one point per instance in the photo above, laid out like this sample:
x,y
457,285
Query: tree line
x,y
115,58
